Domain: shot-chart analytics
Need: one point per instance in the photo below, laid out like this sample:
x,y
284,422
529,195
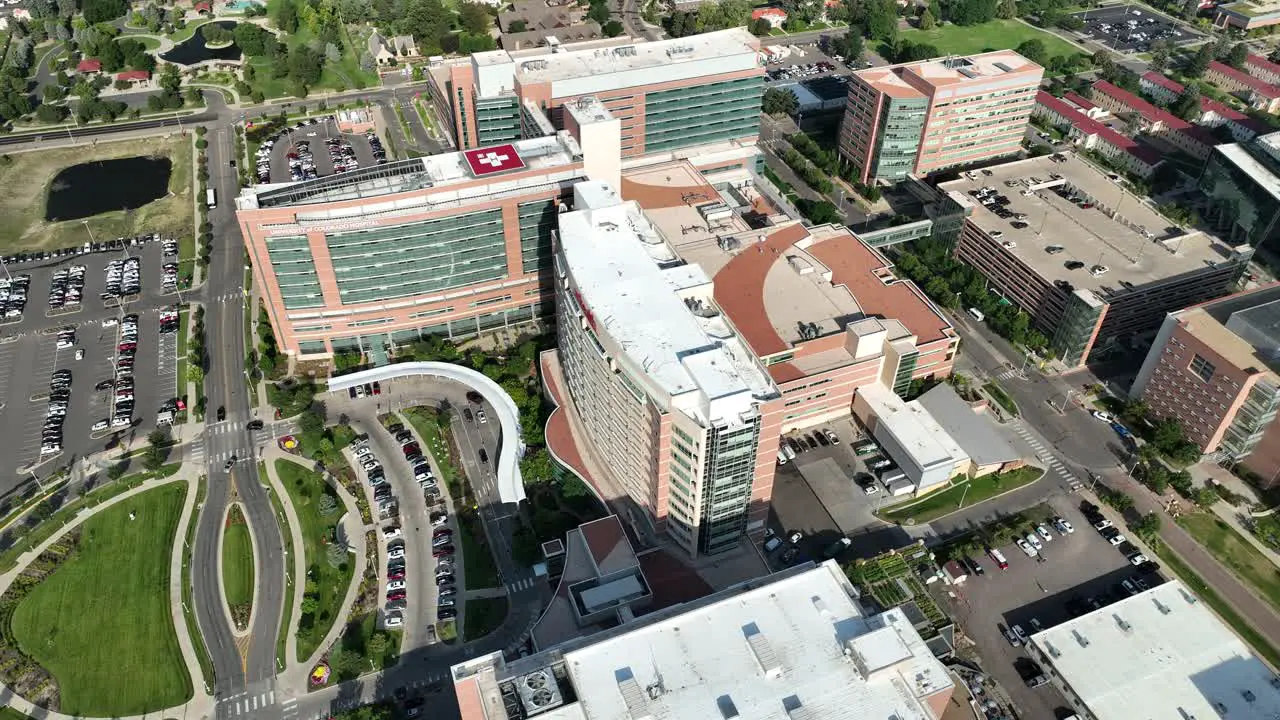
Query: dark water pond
x,y
89,189
193,49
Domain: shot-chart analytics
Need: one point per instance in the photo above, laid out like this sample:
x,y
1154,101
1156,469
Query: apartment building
x,y
1087,132
1242,185
691,338
928,116
670,95
791,645
1262,68
1155,121
1212,368
1162,650
1247,14
1093,265
1260,95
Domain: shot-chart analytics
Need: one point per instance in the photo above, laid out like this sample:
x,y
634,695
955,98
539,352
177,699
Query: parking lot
x,y
805,62
1073,573
415,532
30,354
1132,28
315,148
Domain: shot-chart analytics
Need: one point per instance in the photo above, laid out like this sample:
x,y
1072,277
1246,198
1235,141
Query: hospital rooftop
x,y
491,163
782,647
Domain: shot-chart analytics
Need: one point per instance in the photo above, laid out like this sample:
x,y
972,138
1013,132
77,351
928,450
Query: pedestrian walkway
x,y
1049,461
247,704
519,585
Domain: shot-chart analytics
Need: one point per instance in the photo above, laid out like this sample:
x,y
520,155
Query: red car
x,y
412,449
442,551
397,595
127,346
398,575
377,388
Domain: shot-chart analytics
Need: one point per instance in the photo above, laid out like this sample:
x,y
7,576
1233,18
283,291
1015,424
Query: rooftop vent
x,y
1125,626
1084,641
1003,67
770,665
1164,609
728,710
1053,649
539,691
1191,599
634,697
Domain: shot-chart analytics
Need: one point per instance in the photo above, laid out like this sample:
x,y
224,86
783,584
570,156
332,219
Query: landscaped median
x,y
962,493
1236,553
329,565
237,567
99,622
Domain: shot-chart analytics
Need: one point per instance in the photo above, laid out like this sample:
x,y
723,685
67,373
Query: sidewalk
x,y
201,704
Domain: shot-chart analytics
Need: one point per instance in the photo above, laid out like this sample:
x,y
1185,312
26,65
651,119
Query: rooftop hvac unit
x,y
539,692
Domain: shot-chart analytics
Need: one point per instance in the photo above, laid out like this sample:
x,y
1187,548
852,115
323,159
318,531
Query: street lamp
x,y
1065,399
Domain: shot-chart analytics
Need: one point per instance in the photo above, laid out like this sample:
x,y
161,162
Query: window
x,y
1202,368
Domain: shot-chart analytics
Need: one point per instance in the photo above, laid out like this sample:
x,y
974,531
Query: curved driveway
x,y
510,484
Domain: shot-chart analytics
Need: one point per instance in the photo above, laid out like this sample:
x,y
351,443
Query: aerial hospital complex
x,y
616,189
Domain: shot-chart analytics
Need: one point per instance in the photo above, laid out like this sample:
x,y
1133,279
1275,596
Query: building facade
x,y
1211,369
1242,184
449,245
669,396
669,94
928,116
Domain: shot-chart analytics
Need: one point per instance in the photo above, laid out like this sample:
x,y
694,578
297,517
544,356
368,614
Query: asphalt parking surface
x,y
810,56
316,136
1077,567
1120,35
29,356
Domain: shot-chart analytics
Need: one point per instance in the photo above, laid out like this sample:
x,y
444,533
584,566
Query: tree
x,y
287,16
377,648
153,458
99,11
927,20
1187,106
253,40
426,21
600,12
474,17
882,20
1033,50
972,12
818,212
779,101
1237,55
760,27
1148,526
1200,61
311,422
517,26
613,28
52,113
309,605
1007,9
305,65
1190,8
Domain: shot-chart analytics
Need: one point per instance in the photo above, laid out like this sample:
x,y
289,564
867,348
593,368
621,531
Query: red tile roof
x,y
134,75
768,12
1223,110
1089,126
202,6
1261,62
1078,99
89,65
1164,82
1157,114
1265,89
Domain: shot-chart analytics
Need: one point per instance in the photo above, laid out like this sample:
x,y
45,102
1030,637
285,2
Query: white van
x,y
977,314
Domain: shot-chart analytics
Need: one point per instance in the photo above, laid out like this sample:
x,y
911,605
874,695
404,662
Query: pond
x,y
89,189
193,50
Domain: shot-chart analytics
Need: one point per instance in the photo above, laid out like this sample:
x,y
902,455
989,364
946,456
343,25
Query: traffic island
x,y
237,567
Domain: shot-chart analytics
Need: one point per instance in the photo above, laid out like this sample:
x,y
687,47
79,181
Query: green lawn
x,y
1256,640
327,584
101,623
8,713
995,35
237,564
1001,397
283,636
482,616
971,492
1236,553
480,571
188,605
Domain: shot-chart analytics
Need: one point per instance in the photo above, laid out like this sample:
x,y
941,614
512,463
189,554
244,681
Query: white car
x,y
109,322
1044,533
438,522
1138,559
395,585
100,426
395,553
481,417
362,451
1063,526
394,620
1116,540
1105,417
80,354
1034,541
391,533
1024,547
121,421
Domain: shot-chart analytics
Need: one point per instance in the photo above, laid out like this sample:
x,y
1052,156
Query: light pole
x,y
1065,399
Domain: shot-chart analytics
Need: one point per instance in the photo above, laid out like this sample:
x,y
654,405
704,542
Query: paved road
x,y
252,671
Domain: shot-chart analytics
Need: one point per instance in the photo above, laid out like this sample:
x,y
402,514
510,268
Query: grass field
x,y
188,605
478,566
9,713
970,492
1236,553
995,35
276,507
237,563
305,489
27,176
101,622
482,616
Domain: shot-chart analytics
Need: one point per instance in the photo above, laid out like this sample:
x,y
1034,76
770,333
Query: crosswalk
x,y
248,704
1009,374
1051,463
519,585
